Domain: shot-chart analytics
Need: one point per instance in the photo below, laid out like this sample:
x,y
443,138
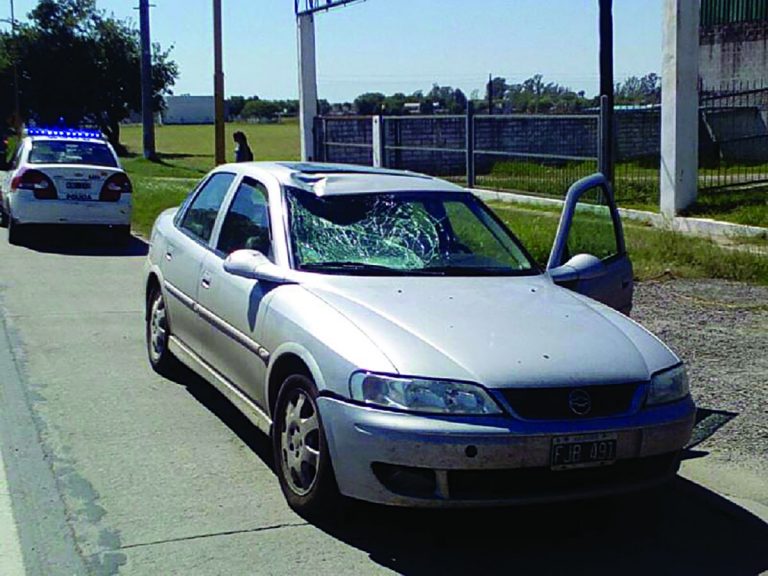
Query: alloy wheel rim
x,y
300,443
158,333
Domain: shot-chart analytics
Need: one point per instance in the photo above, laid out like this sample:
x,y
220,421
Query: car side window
x,y
246,224
592,228
201,214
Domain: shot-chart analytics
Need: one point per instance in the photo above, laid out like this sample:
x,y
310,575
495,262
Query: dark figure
x,y
242,150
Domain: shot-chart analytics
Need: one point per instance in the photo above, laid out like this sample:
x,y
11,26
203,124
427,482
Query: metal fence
x,y
544,154
733,141
532,153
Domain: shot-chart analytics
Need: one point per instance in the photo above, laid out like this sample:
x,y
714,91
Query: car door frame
x,y
182,304
233,341
618,264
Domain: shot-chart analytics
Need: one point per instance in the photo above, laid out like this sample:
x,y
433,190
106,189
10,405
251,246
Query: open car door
x,y
589,255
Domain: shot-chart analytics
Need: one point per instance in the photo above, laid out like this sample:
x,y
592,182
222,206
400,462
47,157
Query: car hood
x,y
499,331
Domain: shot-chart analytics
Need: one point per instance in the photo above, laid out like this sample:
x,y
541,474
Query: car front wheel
x,y
158,335
301,451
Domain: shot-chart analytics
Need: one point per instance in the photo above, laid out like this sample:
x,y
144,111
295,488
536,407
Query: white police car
x,y
65,177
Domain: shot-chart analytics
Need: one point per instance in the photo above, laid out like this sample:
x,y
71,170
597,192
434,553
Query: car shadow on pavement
x,y
81,241
223,409
681,529
685,529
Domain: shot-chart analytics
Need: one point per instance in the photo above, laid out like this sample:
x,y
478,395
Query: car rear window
x,y
57,152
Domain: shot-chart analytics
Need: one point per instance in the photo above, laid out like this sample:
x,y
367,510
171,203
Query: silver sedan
x,y
399,344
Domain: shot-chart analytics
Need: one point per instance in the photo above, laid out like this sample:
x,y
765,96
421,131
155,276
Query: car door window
x,y
592,228
246,224
201,214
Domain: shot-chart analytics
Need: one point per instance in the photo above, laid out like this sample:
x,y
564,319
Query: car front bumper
x,y
428,461
26,209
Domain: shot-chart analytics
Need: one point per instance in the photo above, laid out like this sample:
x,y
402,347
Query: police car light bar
x,y
65,133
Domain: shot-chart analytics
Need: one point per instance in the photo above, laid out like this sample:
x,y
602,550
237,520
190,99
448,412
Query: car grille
x,y
555,403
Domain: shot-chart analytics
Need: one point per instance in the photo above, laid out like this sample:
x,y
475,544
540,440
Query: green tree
x,y
80,66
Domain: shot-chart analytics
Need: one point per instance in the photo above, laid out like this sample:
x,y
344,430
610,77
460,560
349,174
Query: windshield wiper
x,y
468,271
355,267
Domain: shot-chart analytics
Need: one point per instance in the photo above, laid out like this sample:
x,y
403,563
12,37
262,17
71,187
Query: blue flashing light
x,y
65,133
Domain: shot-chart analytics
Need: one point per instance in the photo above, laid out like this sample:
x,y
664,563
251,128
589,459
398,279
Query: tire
x,y
302,461
158,334
15,232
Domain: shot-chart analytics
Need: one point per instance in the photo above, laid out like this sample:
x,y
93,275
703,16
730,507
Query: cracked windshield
x,y
403,233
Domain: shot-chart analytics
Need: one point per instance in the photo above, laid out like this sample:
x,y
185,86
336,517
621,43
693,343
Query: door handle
x,y
205,282
169,255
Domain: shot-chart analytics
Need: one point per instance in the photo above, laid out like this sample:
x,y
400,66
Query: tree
x,y
370,103
79,66
634,90
260,109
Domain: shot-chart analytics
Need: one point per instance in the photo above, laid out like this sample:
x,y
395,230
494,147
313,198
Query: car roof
x,y
324,179
65,139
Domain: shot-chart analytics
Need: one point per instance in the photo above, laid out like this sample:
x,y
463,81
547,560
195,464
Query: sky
x,y
396,45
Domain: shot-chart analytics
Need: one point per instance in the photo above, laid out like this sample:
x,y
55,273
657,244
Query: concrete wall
x,y
533,138
733,53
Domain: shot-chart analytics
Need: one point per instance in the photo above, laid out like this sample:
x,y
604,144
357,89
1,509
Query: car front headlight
x,y
669,386
421,395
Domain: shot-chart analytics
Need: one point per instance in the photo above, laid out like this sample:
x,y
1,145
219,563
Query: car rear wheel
x,y
15,232
158,335
301,451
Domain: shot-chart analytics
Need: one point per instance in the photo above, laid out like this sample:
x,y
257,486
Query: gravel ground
x,y
720,329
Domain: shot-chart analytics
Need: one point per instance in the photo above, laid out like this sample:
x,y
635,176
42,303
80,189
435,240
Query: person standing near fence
x,y
243,152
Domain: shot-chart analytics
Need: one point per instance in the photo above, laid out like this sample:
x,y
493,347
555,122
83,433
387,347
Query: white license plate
x,y
77,185
583,450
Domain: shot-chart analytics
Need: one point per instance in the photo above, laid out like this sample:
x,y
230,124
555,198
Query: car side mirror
x,y
253,265
580,267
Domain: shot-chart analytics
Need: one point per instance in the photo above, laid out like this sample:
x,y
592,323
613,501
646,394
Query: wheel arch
x,y
290,359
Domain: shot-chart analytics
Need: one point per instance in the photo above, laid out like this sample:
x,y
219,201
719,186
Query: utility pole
x,y
307,84
16,99
606,88
147,109
218,84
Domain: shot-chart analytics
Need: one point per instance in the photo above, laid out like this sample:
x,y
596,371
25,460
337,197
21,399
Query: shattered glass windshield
x,y
402,233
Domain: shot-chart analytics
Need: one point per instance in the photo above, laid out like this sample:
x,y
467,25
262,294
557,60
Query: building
x,y
733,43
188,109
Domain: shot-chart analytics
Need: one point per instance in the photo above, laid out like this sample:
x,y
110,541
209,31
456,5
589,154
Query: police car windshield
x,y
59,152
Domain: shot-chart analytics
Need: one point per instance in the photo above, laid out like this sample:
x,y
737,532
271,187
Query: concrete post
x,y
307,85
679,106
379,143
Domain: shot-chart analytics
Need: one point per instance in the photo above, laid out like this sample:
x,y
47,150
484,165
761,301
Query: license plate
x,y
77,185
583,451
75,196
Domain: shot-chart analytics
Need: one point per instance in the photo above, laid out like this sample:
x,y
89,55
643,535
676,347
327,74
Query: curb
x,y
692,226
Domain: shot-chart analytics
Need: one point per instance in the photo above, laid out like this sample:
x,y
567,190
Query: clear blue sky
x,y
398,45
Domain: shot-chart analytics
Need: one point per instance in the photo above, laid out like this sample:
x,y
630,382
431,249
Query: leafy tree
x,y
369,103
634,90
235,105
78,65
260,109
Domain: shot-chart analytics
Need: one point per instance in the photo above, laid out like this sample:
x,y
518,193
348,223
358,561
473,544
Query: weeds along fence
x,y
534,153
733,139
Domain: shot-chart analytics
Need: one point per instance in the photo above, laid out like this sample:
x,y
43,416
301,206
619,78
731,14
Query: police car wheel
x,y
14,232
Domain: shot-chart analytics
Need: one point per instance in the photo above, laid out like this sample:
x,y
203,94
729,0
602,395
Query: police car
x,y
65,177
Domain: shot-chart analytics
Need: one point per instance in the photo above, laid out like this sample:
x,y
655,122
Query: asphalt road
x,y
114,470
